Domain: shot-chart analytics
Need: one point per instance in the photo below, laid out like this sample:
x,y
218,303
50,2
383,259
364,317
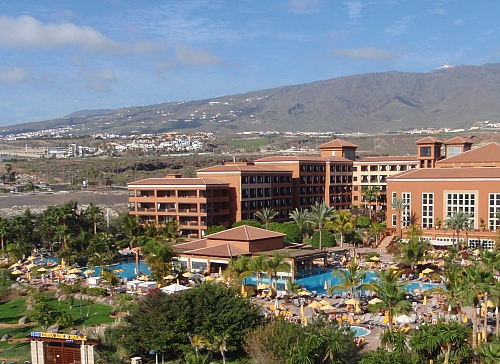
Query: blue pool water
x,y
129,269
360,331
317,282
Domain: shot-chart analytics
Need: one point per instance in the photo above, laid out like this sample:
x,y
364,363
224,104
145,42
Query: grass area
x,y
249,144
12,311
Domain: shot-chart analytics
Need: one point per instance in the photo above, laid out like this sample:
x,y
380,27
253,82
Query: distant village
x,y
168,143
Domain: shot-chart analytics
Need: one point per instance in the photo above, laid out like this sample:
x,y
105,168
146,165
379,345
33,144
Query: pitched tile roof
x,y
489,153
301,158
241,168
337,143
448,174
177,182
428,140
457,140
224,250
244,233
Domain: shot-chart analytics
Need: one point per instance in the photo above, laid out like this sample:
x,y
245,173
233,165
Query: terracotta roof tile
x,y
447,174
428,140
487,153
244,233
337,143
457,140
224,250
177,182
241,168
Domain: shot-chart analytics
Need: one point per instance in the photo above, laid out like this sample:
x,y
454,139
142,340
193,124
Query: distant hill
x,y
452,97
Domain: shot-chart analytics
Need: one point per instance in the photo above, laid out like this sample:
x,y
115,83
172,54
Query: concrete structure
x,y
468,182
214,252
61,348
194,202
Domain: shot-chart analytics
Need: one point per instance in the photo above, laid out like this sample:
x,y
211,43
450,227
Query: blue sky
x,y
57,57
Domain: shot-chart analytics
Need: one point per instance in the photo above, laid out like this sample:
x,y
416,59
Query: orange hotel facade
x,y
442,177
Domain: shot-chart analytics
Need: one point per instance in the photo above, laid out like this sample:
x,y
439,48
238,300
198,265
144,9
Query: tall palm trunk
x,y
474,324
485,321
497,326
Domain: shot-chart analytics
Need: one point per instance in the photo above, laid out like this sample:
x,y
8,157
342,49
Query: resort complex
x,y
442,178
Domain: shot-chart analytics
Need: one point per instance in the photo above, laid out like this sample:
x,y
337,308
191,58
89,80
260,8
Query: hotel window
x,y
394,196
494,211
425,151
394,219
453,151
427,210
464,202
407,209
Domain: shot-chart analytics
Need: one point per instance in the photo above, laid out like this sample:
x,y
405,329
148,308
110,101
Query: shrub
x,y
328,239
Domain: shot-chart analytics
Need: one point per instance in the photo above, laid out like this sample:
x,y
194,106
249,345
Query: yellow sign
x,y
49,335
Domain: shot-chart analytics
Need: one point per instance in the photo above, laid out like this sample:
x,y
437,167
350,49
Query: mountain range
x,y
453,97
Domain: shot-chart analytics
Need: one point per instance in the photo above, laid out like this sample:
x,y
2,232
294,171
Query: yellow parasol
x,y
325,286
324,303
143,278
15,265
465,319
374,301
302,316
314,304
206,279
170,277
17,272
305,321
74,271
394,267
425,301
375,259
30,258
427,270
243,290
220,270
327,308
304,293
262,286
118,270
42,269
89,271
352,301
186,274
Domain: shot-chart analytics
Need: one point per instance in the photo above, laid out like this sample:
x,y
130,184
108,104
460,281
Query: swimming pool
x,y
360,331
130,269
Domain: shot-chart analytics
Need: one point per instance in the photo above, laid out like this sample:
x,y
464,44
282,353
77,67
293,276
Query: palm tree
x,y
478,281
342,223
301,218
94,213
370,194
257,265
457,222
399,205
238,269
392,294
352,279
219,342
275,264
266,215
159,257
4,231
454,282
412,251
376,230
320,214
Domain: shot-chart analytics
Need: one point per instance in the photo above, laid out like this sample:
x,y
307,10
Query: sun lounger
x,y
366,318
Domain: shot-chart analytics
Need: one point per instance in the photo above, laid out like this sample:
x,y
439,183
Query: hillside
x,y
376,102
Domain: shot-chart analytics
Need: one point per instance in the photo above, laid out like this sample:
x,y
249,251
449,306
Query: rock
x,y
24,320
5,337
78,297
74,332
54,329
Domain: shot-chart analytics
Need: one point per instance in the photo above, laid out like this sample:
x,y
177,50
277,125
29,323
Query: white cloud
x,y
102,75
195,56
399,26
354,9
361,53
14,75
27,32
457,22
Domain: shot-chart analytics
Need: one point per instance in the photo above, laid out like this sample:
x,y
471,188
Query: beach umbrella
x,y
427,270
243,290
324,303
262,286
327,308
118,270
206,279
314,304
17,272
375,259
305,321
403,319
465,319
352,301
42,269
169,277
220,270
74,271
304,293
302,316
143,278
374,301
30,266
286,286
425,301
186,274
394,267
31,257
89,271
15,265
325,286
